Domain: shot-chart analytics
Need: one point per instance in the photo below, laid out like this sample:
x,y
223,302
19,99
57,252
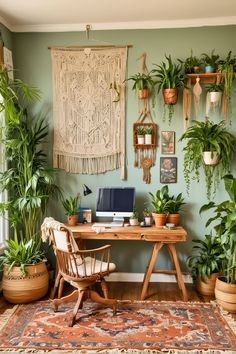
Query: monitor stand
x,y
118,221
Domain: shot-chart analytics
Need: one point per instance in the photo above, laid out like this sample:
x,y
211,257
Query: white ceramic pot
x,y
148,139
210,157
140,139
148,220
215,96
133,222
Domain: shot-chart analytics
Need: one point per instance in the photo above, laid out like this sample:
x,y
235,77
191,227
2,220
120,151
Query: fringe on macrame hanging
x,y
140,154
88,165
186,107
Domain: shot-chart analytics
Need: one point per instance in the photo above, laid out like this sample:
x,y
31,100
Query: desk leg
x,y
156,248
181,284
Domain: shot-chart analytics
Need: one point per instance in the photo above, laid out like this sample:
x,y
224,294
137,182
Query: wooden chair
x,y
80,268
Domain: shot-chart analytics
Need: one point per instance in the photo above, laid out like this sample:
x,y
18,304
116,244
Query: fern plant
x,y
207,136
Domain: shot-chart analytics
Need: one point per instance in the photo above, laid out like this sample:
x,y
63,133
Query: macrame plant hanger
x,y
144,150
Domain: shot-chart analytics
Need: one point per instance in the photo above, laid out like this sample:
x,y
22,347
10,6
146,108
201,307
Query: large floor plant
x,y
209,137
28,180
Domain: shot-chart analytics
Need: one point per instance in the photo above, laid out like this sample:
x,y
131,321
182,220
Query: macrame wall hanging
x,y
89,108
144,134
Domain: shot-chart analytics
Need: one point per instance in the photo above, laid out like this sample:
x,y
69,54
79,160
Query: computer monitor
x,y
115,202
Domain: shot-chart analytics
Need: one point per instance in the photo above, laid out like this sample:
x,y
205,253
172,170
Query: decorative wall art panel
x,y
89,109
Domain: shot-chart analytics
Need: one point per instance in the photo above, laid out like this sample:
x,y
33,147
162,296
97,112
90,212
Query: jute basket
x,y
20,290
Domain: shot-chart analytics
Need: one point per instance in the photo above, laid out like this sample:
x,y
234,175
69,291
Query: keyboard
x,y
108,225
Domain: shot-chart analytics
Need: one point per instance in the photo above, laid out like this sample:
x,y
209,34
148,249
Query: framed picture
x,y
168,170
167,142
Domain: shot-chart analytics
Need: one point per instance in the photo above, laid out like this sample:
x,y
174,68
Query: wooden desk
x,y
157,235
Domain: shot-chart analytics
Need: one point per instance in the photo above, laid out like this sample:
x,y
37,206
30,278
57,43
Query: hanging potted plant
x,y
215,92
143,85
209,146
30,184
225,226
205,264
160,201
169,79
71,208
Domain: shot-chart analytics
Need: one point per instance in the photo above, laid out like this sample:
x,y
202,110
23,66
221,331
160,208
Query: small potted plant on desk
x,y
174,207
225,215
160,201
147,217
71,208
205,264
133,220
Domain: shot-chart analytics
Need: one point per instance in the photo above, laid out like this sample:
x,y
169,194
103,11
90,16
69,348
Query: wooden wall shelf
x,y
205,78
154,136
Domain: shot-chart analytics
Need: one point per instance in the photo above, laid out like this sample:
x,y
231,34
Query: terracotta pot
x,y
226,294
19,290
170,96
72,220
210,158
160,219
143,94
173,219
207,287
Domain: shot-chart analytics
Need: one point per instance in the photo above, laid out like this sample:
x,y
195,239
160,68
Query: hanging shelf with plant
x,y
209,147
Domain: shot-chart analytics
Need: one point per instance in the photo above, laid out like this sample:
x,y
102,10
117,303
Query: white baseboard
x,y
138,277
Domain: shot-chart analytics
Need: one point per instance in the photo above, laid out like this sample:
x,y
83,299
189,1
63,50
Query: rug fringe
x,y
118,351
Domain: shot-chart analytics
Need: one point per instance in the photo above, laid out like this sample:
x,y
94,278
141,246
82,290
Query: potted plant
x,y
169,79
211,147
133,220
192,64
30,184
215,92
210,61
140,130
227,68
174,206
147,217
143,85
148,135
160,202
205,263
225,226
71,208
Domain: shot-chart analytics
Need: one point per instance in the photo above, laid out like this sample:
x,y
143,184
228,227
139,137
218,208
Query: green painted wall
x,y
32,59
7,36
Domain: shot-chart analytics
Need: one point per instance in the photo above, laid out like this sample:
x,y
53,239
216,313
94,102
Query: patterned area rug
x,y
139,327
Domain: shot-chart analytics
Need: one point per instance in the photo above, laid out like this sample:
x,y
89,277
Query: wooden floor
x,y
156,291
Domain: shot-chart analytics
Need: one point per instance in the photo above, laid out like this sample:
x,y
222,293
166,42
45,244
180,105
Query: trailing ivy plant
x,y
207,136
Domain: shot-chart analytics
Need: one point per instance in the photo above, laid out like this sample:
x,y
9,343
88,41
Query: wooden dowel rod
x,y
91,46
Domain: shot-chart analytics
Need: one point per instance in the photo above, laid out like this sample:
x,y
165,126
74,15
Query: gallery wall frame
x,y
168,169
168,142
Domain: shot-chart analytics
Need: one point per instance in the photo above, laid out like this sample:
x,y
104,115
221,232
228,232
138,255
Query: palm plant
x,y
207,136
169,76
28,181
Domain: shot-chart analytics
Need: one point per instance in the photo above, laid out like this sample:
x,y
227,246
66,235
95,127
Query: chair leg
x,y
61,286
104,288
65,299
55,286
97,298
78,305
